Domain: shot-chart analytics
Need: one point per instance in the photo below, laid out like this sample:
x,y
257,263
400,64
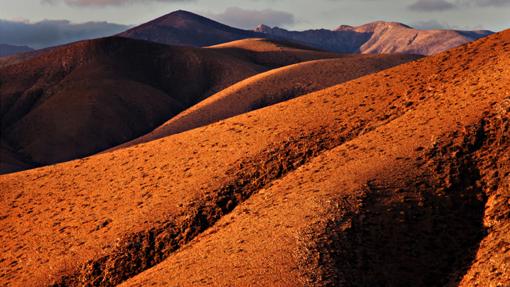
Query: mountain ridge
x,y
8,49
380,37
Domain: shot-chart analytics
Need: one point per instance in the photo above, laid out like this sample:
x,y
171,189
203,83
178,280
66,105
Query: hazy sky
x,y
291,14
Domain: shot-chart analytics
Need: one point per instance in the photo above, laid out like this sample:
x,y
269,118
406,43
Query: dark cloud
x,y
100,3
431,5
54,32
249,19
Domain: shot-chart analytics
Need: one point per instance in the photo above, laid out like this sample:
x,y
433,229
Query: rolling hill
x,y
397,178
79,99
272,87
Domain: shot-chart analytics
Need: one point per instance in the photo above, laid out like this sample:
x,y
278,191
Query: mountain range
x,y
186,28
7,50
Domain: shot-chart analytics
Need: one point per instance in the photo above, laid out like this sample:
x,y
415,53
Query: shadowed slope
x,y
273,87
101,220
76,100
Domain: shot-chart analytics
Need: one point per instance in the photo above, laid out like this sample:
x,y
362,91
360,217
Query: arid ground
x,y
256,162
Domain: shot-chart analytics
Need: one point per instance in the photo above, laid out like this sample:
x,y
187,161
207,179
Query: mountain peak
x,y
262,28
188,29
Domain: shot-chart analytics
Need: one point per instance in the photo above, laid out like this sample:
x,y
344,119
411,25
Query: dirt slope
x,y
357,159
405,204
272,87
75,100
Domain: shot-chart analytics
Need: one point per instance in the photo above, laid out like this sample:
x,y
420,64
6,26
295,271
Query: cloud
x,y
100,3
431,5
249,19
431,25
442,5
54,32
488,3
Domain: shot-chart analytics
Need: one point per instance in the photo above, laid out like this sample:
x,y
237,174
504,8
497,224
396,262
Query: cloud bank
x,y
443,5
100,3
54,32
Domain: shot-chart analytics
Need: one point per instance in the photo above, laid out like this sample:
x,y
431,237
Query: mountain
x,y
7,50
398,178
75,100
378,38
188,29
272,87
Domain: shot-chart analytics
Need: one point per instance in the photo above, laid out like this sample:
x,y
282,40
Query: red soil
x,y
76,100
400,178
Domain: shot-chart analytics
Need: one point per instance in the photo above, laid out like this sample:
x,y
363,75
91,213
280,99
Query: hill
x,y
75,100
7,50
273,53
272,87
188,29
398,178
378,38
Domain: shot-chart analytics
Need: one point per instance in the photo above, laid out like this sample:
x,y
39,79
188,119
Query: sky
x,y
42,23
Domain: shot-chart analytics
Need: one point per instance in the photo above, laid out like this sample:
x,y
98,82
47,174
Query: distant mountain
x,y
378,38
7,50
188,29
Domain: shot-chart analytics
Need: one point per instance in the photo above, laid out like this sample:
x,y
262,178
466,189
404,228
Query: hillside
x,y
273,53
55,104
75,100
378,38
187,29
272,87
361,184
